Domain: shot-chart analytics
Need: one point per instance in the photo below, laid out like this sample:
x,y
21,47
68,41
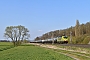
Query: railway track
x,y
73,45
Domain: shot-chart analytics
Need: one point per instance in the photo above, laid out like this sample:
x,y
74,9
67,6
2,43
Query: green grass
x,y
31,52
5,45
81,56
76,52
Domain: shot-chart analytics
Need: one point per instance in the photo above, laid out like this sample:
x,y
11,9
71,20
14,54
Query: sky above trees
x,y
41,16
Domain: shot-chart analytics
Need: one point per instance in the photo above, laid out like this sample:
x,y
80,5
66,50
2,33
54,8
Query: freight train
x,y
62,39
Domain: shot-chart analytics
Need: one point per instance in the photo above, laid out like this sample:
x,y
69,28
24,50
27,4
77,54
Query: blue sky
x,y
41,16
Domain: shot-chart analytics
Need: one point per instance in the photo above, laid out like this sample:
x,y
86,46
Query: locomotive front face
x,y
63,39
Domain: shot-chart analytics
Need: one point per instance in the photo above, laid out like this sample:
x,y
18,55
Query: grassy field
x,y
77,52
5,45
80,56
31,52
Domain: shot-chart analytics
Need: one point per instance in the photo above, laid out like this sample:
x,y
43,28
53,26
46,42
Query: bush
x,y
86,40
78,40
73,40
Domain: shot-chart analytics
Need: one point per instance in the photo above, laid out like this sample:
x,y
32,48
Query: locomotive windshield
x,y
65,37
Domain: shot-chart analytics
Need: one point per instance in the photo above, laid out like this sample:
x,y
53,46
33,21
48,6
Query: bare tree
x,y
17,34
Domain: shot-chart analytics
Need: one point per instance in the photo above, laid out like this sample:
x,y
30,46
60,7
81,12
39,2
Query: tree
x,y
37,38
77,28
87,28
17,34
82,29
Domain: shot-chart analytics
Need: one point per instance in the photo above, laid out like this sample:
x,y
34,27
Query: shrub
x,y
86,40
79,39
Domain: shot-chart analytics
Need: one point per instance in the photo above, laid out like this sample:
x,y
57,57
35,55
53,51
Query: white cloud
x,y
39,30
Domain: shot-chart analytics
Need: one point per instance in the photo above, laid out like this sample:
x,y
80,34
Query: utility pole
x,y
70,37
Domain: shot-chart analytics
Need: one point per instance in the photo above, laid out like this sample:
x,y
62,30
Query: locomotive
x,y
63,39
60,40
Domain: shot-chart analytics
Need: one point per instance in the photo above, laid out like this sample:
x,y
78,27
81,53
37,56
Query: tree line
x,y
4,41
80,33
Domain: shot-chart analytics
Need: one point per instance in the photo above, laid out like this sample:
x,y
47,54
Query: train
x,y
60,40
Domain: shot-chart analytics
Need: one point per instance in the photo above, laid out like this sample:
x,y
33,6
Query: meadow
x,y
5,45
30,52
